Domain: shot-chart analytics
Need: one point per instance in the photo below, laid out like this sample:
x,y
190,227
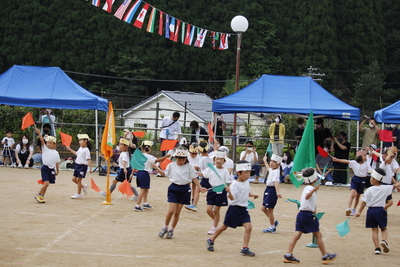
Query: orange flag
x,y
66,139
125,188
94,185
40,181
168,145
210,133
164,163
139,134
27,121
108,139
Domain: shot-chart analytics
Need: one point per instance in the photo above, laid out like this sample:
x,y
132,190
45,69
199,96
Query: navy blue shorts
x,y
236,216
205,183
143,179
80,170
376,217
270,198
179,194
48,175
306,222
217,199
358,184
121,175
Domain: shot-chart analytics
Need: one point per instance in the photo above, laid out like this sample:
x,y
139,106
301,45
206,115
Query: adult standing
x,y
298,133
277,134
221,127
321,134
341,147
396,136
198,133
170,128
370,134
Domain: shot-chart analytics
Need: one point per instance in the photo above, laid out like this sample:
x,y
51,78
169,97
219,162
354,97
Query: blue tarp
x,y
389,114
286,94
45,87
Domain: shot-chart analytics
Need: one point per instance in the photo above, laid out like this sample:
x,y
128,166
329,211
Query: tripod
x,y
7,152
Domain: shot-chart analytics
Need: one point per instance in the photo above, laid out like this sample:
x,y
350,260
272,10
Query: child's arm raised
x,y
341,160
266,162
40,136
71,150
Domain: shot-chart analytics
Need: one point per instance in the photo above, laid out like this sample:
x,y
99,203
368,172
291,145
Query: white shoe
x,y
26,166
76,196
84,189
353,212
20,165
212,231
103,193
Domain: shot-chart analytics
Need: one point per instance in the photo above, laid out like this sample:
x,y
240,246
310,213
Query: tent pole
x,y
97,137
358,135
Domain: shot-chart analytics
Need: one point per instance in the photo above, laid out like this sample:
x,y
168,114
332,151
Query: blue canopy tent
x,y
389,114
47,87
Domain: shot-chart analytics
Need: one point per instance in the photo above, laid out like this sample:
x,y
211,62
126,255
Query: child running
x,y
181,173
237,213
82,163
194,159
50,159
216,200
375,199
361,168
271,193
306,222
143,176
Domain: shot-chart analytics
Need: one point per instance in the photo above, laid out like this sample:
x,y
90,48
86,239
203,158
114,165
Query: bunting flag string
x,y
168,26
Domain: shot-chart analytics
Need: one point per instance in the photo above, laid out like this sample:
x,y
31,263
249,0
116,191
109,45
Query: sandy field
x,y
68,232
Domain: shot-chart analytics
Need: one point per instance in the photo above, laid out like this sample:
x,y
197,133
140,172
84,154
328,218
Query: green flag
x,y
305,155
343,228
138,160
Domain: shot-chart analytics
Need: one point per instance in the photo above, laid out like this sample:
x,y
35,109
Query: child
x,y
375,199
237,213
271,193
216,200
361,169
143,176
50,159
194,159
8,153
321,162
82,163
181,173
306,222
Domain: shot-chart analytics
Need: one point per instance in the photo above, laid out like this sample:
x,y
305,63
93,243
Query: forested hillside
x,y
354,43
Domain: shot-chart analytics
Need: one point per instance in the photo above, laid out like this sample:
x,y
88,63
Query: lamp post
x,y
239,24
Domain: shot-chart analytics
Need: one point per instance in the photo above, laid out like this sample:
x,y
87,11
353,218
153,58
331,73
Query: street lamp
x,y
239,24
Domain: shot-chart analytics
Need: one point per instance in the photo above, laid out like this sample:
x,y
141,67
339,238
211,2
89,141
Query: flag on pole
x,y
27,121
176,34
322,152
152,20
172,28
129,15
386,136
140,18
108,139
96,3
66,139
223,41
108,5
138,160
125,188
160,23
305,156
166,26
343,228
93,185
201,36
122,8
168,145
139,134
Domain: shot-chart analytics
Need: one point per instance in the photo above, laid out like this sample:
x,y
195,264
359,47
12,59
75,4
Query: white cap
x,y
181,152
277,158
243,167
83,136
224,148
147,143
50,138
377,176
310,179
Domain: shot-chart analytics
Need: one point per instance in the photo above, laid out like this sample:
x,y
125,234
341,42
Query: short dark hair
x,y
249,142
194,124
176,114
344,134
300,120
380,171
308,172
372,119
319,121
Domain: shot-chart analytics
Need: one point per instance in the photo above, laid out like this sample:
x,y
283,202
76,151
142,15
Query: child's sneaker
x,y
290,259
39,198
385,246
103,193
191,207
76,196
276,223
134,198
247,252
163,232
353,212
328,258
147,206
20,165
212,231
138,208
84,189
170,233
210,245
378,251
269,230
348,212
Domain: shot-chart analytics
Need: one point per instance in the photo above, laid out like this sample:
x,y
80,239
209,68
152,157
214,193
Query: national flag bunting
x,y
201,36
223,41
108,139
172,28
192,35
166,26
187,35
140,18
122,8
129,15
108,5
183,32
152,20
161,21
178,24
96,3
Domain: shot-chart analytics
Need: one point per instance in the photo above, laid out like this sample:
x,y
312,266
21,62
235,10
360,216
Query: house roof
x,y
199,104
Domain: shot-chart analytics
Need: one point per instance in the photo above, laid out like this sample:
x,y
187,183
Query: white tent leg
x,y
97,137
358,135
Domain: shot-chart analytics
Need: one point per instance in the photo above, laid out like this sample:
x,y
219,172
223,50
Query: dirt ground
x,y
67,232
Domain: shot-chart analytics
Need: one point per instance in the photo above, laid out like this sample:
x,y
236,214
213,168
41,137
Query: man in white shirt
x,y
170,128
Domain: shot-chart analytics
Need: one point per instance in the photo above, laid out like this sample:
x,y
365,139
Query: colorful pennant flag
x,y
160,23
138,160
201,36
140,18
66,139
166,26
93,185
96,3
129,15
172,29
125,188
152,20
386,135
176,34
305,156
122,8
168,145
322,152
140,134
165,163
108,139
108,5
343,228
223,41
27,121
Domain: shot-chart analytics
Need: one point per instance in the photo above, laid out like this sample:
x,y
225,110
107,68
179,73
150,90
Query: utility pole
x,y
315,76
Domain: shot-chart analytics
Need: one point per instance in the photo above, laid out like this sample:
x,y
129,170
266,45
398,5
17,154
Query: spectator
x,y
370,134
298,133
277,134
286,166
24,153
341,148
321,134
170,128
321,162
221,127
198,132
